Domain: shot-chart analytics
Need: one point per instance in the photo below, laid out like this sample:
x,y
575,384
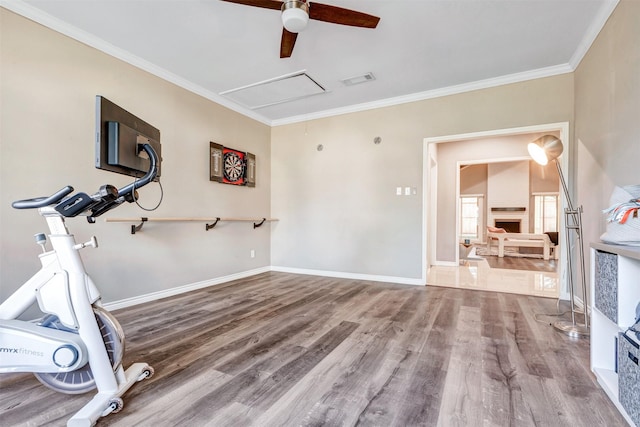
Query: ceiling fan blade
x,y
267,4
338,15
287,43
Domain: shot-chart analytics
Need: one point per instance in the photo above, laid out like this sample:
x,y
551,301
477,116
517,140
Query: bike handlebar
x,y
128,192
107,198
40,202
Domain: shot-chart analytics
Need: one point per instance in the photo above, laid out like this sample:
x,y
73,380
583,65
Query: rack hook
x,y
210,226
259,224
135,228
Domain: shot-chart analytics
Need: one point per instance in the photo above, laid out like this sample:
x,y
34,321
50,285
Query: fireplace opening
x,y
510,225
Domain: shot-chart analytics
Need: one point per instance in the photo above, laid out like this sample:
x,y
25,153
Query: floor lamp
x,y
543,150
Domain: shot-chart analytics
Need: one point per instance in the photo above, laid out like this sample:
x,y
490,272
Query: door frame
x,y
430,181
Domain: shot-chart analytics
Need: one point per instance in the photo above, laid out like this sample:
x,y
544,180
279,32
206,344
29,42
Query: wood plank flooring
x,y
279,349
522,263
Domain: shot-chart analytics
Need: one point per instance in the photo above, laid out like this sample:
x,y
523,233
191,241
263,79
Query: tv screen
x,y
119,135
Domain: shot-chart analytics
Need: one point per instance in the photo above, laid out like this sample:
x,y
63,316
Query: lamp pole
x,y
573,221
543,150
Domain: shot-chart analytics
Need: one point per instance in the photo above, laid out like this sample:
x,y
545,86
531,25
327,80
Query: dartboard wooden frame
x,y
231,166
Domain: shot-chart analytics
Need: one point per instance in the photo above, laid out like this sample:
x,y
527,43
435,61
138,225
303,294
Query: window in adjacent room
x,y
470,217
545,213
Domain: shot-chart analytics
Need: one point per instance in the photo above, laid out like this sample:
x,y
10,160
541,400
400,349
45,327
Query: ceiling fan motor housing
x,y
295,15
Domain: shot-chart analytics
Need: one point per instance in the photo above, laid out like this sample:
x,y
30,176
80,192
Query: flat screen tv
x,y
119,135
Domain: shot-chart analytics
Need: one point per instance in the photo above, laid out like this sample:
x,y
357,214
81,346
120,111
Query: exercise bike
x,y
78,346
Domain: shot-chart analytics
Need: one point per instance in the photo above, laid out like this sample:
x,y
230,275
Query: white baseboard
x,y
446,263
128,302
579,303
576,300
115,305
182,289
357,276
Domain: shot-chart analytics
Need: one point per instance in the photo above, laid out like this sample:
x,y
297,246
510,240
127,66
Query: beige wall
x,y
48,85
339,206
544,179
607,130
473,179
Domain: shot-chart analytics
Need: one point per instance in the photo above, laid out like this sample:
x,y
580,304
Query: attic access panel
x,y
278,90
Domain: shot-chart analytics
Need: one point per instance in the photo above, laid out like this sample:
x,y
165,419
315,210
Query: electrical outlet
x,y
253,253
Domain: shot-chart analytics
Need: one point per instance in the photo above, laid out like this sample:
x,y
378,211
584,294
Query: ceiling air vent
x,y
358,79
278,90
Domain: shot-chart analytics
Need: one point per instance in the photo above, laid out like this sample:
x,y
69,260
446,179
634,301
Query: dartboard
x,y
234,166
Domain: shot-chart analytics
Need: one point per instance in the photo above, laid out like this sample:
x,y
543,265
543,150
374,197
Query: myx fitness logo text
x,y
21,351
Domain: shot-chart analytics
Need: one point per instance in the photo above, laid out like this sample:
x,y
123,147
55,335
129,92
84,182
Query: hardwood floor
x,y
521,263
279,349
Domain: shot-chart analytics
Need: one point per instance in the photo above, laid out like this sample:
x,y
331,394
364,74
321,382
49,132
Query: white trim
x,y
596,26
40,17
562,127
356,276
446,264
429,216
546,193
82,36
128,302
494,160
457,217
431,94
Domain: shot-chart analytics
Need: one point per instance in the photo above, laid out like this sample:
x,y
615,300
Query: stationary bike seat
x,y
40,202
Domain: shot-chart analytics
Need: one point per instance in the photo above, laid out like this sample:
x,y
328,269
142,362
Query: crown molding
x,y
40,17
431,94
596,26
82,36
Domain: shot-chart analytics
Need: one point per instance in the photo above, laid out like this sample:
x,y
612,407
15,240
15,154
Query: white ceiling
x,y
420,49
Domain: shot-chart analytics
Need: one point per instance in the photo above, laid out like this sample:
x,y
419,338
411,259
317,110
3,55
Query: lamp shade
x,y
545,149
295,15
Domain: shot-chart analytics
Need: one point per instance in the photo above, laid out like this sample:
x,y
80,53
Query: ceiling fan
x,y
296,15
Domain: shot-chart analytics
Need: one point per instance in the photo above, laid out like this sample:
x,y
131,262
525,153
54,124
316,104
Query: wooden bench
x,y
521,240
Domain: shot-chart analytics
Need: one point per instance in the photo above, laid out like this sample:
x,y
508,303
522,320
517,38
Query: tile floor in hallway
x,y
476,274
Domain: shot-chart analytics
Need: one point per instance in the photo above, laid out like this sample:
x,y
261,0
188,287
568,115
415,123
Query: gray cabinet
x,y
629,375
615,292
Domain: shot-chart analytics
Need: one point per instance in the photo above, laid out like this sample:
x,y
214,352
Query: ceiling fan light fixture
x,y
295,15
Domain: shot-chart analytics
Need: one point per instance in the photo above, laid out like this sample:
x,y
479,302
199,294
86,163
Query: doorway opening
x,y
444,241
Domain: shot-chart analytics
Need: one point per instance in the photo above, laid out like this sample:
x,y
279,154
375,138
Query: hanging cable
x,y
133,194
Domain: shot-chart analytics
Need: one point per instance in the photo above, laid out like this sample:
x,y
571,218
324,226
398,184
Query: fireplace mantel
x,y
508,209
